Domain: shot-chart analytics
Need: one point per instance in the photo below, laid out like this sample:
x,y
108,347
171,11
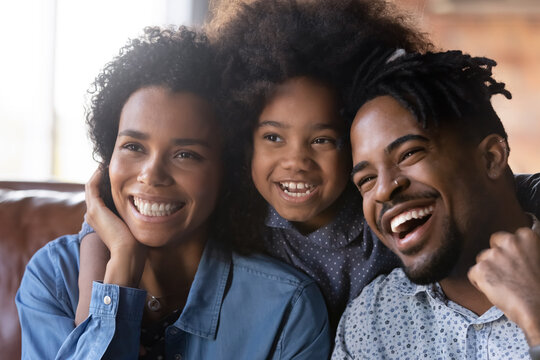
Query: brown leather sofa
x,y
31,214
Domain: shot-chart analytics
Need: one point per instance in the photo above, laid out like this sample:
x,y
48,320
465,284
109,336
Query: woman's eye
x,y
132,147
188,155
273,138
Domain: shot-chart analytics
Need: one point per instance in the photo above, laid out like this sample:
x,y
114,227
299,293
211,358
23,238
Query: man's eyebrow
x,y
272,123
394,144
358,167
134,134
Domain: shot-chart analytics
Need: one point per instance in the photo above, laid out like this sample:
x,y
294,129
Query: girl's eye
x,y
132,147
323,140
188,155
273,138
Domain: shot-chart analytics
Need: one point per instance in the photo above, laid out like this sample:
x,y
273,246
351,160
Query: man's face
x,y
418,187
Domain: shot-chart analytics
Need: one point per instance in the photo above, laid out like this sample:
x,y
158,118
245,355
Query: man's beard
x,y
440,264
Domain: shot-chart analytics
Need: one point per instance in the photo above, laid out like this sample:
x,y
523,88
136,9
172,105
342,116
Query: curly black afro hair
x,y
180,60
444,87
263,43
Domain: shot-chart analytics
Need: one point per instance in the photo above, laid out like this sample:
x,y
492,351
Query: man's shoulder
x,y
396,284
384,296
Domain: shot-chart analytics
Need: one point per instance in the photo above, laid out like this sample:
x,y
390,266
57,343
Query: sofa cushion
x,y
29,218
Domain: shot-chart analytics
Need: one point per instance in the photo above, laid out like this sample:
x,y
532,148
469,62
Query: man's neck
x,y
457,286
462,292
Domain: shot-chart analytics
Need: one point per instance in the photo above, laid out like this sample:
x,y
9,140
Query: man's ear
x,y
495,155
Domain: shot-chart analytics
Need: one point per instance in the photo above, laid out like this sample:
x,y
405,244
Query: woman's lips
x,y
156,208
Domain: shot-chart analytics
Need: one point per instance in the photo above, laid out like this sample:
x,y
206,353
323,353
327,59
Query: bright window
x,y
51,52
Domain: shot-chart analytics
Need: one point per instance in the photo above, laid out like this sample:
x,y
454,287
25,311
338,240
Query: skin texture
x,y
399,166
177,162
298,139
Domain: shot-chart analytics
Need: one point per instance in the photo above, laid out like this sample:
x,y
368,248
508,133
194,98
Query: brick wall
x,y
512,38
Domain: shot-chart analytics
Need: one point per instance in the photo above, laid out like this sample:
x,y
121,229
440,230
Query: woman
x,y
172,287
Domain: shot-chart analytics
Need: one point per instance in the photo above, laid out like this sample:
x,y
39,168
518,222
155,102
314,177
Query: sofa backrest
x,y
31,214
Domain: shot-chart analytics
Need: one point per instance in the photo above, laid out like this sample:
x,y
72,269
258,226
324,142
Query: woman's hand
x,y
128,256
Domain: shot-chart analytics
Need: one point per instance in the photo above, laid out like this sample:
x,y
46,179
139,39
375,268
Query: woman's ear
x,y
495,154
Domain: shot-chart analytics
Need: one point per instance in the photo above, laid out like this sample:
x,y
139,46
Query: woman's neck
x,y
170,269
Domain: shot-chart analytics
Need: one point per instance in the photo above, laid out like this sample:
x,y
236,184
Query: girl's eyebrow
x,y
272,123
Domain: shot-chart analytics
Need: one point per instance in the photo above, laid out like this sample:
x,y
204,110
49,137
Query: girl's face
x,y
166,168
299,164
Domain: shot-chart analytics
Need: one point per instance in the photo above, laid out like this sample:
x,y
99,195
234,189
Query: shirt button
x,y
177,357
478,326
107,300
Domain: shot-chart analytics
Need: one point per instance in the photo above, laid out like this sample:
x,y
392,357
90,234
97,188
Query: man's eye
x,y
273,137
407,154
365,180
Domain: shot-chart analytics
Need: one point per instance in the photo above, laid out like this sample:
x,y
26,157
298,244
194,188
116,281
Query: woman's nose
x,y
154,173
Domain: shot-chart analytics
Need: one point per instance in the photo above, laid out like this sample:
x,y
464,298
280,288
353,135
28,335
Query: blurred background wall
x,y
507,31
52,50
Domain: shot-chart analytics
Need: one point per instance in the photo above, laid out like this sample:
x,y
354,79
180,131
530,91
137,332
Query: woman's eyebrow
x,y
188,141
134,134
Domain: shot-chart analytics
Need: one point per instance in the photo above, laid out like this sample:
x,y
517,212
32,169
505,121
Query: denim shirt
x,y
238,308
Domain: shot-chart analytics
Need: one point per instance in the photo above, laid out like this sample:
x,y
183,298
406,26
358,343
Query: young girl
x,y
172,288
288,62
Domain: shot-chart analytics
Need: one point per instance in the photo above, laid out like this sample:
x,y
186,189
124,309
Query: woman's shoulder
x,y
56,257
269,269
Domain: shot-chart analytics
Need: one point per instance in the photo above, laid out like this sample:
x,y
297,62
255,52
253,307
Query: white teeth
x,y
153,208
288,186
408,215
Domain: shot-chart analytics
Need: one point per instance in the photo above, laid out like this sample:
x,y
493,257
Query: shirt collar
x,y
201,312
347,226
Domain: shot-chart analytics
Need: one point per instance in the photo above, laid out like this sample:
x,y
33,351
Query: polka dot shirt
x,y
342,257
396,319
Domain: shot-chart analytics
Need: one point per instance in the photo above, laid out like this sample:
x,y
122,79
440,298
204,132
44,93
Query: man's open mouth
x,y
407,221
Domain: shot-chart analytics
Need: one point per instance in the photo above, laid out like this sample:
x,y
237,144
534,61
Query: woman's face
x,y
166,168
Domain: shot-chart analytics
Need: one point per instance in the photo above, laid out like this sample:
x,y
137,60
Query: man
x,y
431,162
